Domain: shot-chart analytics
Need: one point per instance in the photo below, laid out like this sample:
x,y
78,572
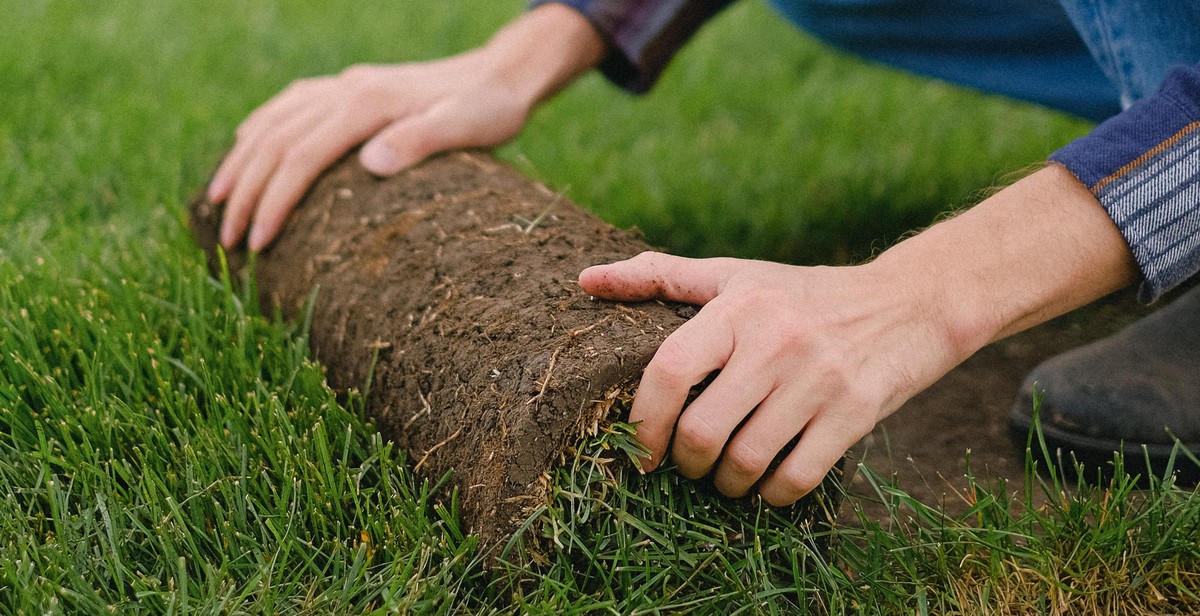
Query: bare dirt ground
x,y
924,444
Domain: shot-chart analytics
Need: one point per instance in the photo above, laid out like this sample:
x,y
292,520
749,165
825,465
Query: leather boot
x,y
1135,388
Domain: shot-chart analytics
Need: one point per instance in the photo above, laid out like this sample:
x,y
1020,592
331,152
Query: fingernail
x,y
379,159
258,238
216,190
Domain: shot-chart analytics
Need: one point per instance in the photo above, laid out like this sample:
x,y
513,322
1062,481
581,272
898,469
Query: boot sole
x,y
1097,454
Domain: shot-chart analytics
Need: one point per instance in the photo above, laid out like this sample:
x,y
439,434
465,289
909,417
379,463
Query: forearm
x,y
1033,251
543,51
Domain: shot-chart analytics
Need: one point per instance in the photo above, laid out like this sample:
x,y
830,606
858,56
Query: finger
x,y
399,146
231,167
412,139
706,424
297,99
262,155
823,442
221,182
239,207
689,354
654,275
299,167
775,422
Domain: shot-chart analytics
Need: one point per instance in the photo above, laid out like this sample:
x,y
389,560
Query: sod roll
x,y
448,294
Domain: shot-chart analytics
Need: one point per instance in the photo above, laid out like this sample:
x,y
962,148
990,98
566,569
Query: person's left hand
x,y
822,352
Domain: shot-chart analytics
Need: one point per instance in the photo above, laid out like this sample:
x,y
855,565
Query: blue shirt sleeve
x,y
1143,165
643,35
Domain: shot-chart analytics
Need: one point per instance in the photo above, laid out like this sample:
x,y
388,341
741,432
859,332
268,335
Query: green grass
x,y
166,449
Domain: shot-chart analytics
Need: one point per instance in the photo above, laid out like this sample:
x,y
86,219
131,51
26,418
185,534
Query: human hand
x,y
822,352
407,112
404,113
826,352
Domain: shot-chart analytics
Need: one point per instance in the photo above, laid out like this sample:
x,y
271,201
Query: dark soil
x,y
924,446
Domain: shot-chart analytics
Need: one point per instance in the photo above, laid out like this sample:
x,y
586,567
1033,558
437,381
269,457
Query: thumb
x,y
404,143
654,275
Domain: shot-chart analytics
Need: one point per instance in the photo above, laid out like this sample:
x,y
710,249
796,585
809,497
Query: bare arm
x,y
403,112
1037,249
828,352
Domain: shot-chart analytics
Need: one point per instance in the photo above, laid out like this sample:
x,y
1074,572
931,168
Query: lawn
x,y
164,448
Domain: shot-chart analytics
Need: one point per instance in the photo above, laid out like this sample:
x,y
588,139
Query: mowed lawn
x,y
164,448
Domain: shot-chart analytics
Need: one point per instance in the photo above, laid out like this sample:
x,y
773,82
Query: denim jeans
x,y
1086,57
1137,42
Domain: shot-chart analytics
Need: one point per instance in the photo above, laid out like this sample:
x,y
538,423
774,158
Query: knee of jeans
x,y
1137,43
832,19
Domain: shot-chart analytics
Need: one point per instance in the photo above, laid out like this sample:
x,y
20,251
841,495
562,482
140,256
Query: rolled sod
x,y
448,294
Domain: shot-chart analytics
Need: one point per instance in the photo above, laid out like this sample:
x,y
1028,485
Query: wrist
x,y
951,311
1035,250
542,51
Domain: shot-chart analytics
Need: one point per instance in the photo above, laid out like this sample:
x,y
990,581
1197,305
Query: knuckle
x,y
365,90
745,460
259,123
299,87
833,375
290,153
645,256
363,96
801,481
243,131
296,158
647,260
697,436
794,338
671,363
270,145
723,309
357,72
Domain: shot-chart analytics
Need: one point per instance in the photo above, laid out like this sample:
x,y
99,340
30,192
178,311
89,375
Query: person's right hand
x,y
404,113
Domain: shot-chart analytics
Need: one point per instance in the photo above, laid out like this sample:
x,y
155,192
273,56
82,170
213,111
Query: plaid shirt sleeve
x,y
643,35
1143,165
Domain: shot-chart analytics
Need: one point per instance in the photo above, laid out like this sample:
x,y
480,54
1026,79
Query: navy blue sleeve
x,y
1143,165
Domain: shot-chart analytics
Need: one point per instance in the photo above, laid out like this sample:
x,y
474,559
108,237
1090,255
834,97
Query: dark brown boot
x,y
1138,387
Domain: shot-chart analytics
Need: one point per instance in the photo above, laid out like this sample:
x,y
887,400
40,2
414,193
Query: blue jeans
x,y
1086,57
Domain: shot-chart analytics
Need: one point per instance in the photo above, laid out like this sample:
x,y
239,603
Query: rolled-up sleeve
x,y
643,35
1143,165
